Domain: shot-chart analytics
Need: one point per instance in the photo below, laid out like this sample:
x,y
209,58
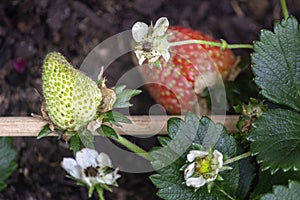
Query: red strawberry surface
x,y
173,85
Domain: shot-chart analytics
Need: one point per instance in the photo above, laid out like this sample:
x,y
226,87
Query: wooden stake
x,y
141,125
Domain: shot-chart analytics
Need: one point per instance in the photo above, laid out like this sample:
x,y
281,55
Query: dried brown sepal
x,y
108,97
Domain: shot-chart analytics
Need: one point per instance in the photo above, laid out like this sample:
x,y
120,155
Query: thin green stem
x,y
129,145
222,44
225,193
284,9
239,157
100,193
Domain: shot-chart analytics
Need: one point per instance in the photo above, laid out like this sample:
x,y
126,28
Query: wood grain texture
x,y
141,125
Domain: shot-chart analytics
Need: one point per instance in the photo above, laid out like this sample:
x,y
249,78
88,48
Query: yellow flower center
x,y
203,166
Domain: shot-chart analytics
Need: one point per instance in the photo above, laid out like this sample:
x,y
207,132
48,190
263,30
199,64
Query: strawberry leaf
x,y
276,140
276,63
266,181
75,144
86,138
115,118
7,156
291,192
44,132
123,96
107,131
170,179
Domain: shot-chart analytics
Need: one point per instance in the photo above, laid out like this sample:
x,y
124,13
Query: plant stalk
x,y
284,9
222,45
129,145
239,157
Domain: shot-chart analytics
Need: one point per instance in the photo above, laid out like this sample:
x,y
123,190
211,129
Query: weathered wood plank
x,y
142,125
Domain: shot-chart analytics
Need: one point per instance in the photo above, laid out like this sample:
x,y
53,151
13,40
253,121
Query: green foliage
x,y
291,192
267,181
276,140
75,144
123,96
249,113
7,157
276,63
44,132
107,131
275,136
247,176
86,138
114,118
170,180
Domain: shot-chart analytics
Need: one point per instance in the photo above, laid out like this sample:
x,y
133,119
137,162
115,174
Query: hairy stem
x,y
222,44
239,157
129,145
284,9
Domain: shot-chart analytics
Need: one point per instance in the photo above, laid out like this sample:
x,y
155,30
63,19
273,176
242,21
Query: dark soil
x,y
31,28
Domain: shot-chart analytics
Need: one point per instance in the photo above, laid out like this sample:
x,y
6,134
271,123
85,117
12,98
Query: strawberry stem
x,y
284,9
129,145
223,44
239,157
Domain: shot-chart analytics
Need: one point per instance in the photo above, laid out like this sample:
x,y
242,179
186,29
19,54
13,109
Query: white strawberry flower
x,y
91,168
151,42
203,167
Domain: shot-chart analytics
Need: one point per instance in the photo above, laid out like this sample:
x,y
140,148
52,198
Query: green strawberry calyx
x,y
71,101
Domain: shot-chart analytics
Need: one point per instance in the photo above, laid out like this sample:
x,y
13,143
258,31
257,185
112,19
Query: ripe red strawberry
x,y
176,78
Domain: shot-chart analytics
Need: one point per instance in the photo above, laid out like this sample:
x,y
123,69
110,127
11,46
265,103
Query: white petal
x,y
107,179
139,31
161,26
196,153
212,179
164,44
116,177
196,182
87,158
219,157
166,55
139,55
141,60
88,180
104,160
189,171
71,166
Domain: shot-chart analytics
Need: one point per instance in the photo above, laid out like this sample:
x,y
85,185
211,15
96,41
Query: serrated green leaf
x,y
7,156
276,140
292,192
44,132
107,131
87,138
276,63
266,181
115,118
123,96
173,125
170,179
163,140
75,144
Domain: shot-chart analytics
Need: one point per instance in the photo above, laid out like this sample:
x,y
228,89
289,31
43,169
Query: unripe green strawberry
x,y
72,99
